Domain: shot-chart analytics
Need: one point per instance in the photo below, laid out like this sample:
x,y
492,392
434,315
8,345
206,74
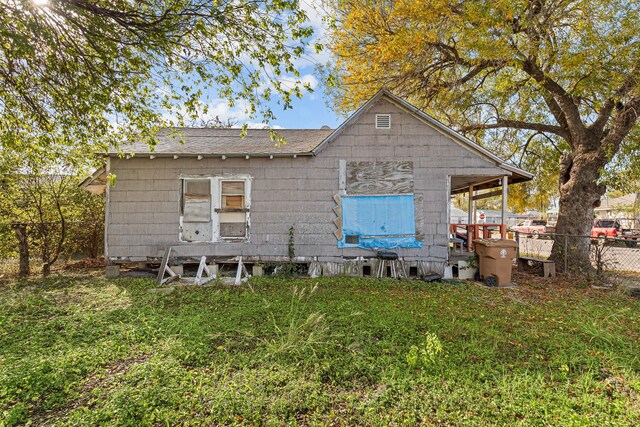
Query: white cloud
x,y
315,12
290,81
219,110
253,125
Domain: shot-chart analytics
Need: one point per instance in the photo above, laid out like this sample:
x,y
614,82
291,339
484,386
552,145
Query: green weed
x,y
427,354
301,332
291,351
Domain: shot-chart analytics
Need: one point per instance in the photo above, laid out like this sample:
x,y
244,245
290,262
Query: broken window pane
x,y
196,201
233,187
197,187
233,229
233,224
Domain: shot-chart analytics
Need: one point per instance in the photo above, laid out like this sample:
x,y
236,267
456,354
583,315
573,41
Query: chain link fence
x,y
609,256
82,240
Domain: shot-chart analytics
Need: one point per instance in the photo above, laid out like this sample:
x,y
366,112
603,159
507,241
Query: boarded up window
x,y
215,209
232,194
233,211
379,222
196,200
379,178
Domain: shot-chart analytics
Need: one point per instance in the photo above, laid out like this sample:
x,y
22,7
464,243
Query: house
x,y
625,208
457,216
380,181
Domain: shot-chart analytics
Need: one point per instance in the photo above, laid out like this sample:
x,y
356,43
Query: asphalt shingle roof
x,y
213,141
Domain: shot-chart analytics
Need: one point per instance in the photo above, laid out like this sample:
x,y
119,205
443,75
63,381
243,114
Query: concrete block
x,y
324,162
213,269
346,139
342,151
257,270
314,184
353,268
178,269
324,173
414,128
438,252
283,173
116,249
112,271
330,269
320,228
442,229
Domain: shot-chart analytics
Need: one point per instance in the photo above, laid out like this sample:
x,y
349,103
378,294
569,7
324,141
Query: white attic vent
x,y
383,121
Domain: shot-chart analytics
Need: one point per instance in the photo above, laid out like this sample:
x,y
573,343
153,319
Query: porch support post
x,y
470,219
503,229
470,211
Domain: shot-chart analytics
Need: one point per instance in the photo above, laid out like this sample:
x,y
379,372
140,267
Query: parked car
x,y
531,227
550,228
631,237
605,229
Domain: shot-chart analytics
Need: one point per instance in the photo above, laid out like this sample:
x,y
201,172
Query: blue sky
x,y
309,112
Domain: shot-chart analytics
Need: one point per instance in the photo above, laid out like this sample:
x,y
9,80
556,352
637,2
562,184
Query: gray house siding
x,y
144,205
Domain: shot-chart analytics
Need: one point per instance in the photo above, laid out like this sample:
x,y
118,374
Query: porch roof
x,y
461,183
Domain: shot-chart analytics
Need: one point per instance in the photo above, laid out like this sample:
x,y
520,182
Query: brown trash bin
x,y
496,258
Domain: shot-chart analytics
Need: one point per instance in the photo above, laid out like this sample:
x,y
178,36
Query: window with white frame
x,y
215,209
233,212
196,200
195,209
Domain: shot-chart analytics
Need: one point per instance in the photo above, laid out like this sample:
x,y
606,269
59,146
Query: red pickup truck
x,y
605,228
531,227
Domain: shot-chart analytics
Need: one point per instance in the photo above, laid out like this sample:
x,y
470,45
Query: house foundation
x,y
353,267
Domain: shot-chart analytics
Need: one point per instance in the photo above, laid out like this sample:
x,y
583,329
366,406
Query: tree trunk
x,y
23,248
580,193
46,258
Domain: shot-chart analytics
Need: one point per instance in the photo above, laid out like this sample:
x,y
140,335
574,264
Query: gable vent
x,y
383,121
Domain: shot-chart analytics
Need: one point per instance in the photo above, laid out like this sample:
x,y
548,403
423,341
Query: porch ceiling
x,y
461,183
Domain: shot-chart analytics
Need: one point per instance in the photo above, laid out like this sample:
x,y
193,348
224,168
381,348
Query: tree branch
x,y
561,98
518,124
624,121
607,109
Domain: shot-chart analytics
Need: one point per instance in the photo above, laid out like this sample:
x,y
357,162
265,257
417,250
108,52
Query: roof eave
x,y
209,155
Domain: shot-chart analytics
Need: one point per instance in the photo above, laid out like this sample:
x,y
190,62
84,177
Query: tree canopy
x,y
79,73
543,81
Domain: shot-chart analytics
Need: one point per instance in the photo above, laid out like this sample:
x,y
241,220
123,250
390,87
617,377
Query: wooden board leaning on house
x,y
383,177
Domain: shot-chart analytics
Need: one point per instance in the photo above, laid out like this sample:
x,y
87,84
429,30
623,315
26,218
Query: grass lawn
x,y
88,351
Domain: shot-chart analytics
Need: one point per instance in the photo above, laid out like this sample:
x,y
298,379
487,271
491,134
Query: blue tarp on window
x,y
384,222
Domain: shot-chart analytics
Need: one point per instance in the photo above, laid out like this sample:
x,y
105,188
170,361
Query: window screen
x,y
379,222
196,200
